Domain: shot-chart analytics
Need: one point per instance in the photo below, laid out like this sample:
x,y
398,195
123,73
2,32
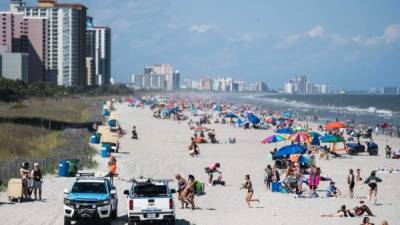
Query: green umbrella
x,y
331,139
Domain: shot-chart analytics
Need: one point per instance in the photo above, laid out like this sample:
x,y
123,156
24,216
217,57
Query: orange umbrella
x,y
334,125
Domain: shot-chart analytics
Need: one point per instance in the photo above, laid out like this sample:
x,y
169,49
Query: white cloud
x,y
391,33
357,39
316,32
338,39
203,28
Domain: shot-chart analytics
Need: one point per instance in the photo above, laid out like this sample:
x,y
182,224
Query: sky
x,y
347,44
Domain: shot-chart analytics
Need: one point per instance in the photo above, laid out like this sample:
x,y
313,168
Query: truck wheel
x,y
67,221
171,222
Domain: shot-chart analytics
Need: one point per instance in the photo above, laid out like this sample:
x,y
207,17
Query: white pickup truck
x,y
150,201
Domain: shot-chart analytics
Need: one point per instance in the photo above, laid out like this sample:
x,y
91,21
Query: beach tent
x,y
288,150
253,118
109,138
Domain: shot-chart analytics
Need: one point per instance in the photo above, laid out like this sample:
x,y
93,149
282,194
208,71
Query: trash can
x,y
73,167
93,139
276,187
98,138
105,152
106,112
112,123
63,167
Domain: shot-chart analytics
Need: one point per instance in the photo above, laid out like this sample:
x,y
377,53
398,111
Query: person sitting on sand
x,y
372,182
342,212
181,187
388,152
361,209
193,148
249,187
212,168
366,221
332,190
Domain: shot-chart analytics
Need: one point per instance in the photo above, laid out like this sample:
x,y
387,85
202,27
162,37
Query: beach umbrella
x,y
290,150
273,139
300,137
231,115
299,128
314,134
271,120
253,118
331,139
334,125
315,141
285,130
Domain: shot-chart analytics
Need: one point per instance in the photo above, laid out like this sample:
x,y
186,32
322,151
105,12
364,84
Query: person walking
x,y
249,187
37,181
181,187
372,182
351,182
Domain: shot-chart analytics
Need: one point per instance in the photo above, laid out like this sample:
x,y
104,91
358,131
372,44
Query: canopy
x,y
285,130
290,150
300,137
113,115
109,138
272,139
253,118
331,139
334,125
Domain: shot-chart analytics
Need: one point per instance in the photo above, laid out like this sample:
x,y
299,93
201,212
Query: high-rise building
x,y
99,40
288,87
13,65
66,42
172,78
391,90
23,34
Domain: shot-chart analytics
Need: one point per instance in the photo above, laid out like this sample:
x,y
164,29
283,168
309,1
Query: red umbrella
x,y
335,125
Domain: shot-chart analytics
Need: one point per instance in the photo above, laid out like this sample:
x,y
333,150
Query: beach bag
x,y
190,147
199,188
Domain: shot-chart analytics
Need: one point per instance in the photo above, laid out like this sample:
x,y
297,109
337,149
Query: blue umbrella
x,y
290,150
285,130
231,115
315,141
253,118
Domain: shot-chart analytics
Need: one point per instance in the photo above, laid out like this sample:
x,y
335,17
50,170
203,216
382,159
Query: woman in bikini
x,y
372,182
249,187
189,191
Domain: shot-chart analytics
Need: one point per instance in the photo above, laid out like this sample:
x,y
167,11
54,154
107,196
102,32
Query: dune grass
x,y
27,141
75,110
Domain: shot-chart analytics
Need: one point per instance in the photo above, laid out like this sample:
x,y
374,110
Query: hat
x,y
36,164
362,202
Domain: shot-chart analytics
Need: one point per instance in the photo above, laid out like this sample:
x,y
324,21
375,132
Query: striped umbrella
x,y
300,137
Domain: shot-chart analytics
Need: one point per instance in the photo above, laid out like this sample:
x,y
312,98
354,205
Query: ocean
x,y
370,109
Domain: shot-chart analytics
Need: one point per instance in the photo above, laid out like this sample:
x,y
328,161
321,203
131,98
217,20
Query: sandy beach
x,y
161,152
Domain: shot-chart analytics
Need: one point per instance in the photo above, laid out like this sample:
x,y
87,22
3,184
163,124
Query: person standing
x,y
249,187
388,152
181,187
212,168
268,177
358,176
372,182
351,182
24,172
37,181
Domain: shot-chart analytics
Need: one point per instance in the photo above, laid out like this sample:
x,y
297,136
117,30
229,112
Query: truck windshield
x,y
150,190
89,188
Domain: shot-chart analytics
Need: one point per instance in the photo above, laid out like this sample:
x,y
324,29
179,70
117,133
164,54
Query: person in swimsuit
x,y
249,187
351,182
366,221
189,191
181,187
342,212
372,182
358,177
24,172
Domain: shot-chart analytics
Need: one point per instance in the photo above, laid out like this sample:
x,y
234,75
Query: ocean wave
x,y
337,109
